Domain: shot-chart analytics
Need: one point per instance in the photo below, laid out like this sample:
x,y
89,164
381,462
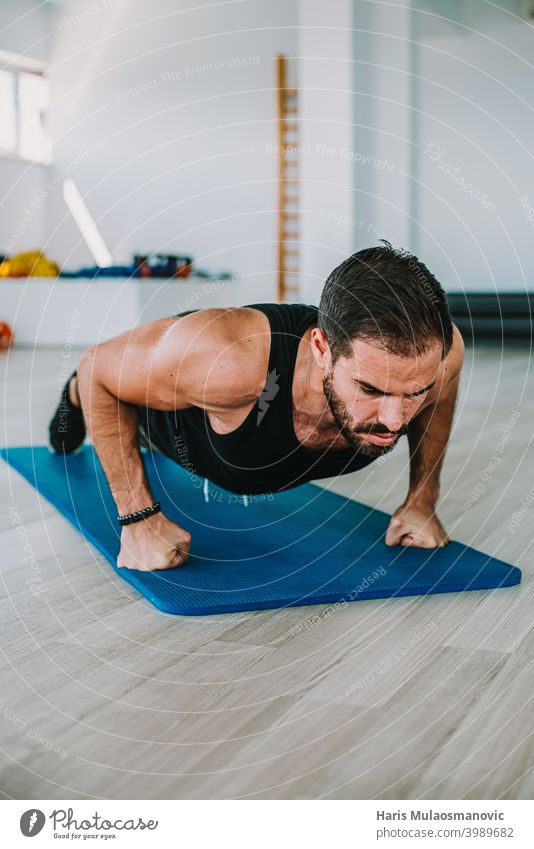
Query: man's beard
x,y
351,432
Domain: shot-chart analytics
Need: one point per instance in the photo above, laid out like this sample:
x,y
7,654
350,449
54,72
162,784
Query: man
x,y
268,396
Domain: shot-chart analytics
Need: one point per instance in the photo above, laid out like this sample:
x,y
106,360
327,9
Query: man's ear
x,y
321,349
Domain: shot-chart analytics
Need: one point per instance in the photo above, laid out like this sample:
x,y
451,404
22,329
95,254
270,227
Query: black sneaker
x,y
67,427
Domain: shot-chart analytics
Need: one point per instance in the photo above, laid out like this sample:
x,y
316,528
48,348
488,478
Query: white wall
x,y
464,86
175,164
160,168
476,103
24,29
325,109
383,123
356,94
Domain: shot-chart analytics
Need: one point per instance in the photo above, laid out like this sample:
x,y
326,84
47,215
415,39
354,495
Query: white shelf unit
x,y
78,312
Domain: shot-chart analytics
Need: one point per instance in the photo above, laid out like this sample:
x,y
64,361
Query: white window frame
x,y
17,65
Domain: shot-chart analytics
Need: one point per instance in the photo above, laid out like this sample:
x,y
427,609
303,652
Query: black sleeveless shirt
x,y
263,454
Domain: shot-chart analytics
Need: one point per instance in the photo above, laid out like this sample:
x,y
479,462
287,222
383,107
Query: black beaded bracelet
x,y
139,515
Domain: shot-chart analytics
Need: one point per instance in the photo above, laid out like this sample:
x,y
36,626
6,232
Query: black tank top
x,y
263,454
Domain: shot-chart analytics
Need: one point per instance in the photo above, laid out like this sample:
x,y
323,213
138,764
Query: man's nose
x,y
391,413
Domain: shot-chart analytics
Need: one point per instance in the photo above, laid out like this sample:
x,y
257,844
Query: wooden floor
x,y
102,696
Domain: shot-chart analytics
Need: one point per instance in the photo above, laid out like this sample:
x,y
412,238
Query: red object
x,y
6,335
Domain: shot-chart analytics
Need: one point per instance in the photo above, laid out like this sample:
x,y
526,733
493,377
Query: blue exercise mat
x,y
302,546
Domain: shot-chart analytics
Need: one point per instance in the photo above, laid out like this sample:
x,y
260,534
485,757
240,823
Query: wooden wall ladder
x,y
288,184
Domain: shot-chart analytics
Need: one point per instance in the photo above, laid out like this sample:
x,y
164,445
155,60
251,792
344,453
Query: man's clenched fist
x,y
155,543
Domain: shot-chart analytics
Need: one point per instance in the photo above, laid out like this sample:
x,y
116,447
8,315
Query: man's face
x,y
374,394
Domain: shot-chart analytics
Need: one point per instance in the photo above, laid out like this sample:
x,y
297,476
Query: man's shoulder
x,y
455,357
223,351
449,370
242,325
231,327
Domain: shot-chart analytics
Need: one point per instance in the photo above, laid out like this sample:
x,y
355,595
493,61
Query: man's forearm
x,y
113,427
428,435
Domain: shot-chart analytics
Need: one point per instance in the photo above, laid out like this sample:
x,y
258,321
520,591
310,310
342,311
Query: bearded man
x,y
265,397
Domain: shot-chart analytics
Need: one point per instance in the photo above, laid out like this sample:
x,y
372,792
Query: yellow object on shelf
x,y
29,264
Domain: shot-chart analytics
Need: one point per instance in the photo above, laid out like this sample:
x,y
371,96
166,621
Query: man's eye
x,y
369,391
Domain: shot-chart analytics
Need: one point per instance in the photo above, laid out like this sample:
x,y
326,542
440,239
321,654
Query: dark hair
x,y
385,295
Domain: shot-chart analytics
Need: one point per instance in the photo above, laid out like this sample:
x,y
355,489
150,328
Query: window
x,y
24,97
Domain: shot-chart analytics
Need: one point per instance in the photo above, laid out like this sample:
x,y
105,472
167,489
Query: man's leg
x,y
74,397
67,427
